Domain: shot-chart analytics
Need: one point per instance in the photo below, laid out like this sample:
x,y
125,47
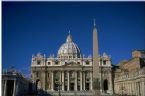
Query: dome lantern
x,y
69,38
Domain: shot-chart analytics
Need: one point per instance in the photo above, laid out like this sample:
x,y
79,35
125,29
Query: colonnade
x,y
77,80
130,88
12,89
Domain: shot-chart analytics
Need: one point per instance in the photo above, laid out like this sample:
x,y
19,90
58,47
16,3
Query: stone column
x,y
138,93
63,80
14,90
5,88
81,81
49,80
101,75
143,88
68,81
126,87
129,88
84,81
140,88
76,81
43,84
110,81
134,92
60,81
91,79
52,81
135,86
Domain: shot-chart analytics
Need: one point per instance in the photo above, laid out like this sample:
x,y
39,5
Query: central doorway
x,y
72,86
87,86
105,85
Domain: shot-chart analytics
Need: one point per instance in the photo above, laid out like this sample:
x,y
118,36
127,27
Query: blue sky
x,y
32,27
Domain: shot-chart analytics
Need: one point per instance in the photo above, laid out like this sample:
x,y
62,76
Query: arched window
x,y
38,84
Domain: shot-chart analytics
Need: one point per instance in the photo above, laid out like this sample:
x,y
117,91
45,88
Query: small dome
x,y
69,49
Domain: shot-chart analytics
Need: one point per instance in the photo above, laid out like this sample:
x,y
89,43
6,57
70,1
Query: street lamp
x,y
59,85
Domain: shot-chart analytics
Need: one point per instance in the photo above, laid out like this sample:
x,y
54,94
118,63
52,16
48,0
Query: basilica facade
x,y
70,73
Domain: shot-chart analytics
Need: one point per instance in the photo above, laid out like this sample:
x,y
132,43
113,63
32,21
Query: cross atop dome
x,y
69,32
69,37
94,22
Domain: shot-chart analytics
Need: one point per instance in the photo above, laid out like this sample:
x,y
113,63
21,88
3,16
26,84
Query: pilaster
x,y
5,88
91,79
110,85
84,81
75,80
14,90
63,80
81,81
52,81
60,80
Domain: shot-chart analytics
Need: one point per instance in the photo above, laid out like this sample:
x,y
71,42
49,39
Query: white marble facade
x,y
70,70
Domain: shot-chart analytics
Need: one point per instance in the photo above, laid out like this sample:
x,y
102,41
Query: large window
x,y
87,62
56,62
38,62
71,74
104,62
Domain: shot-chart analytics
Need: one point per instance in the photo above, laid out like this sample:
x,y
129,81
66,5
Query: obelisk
x,y
96,75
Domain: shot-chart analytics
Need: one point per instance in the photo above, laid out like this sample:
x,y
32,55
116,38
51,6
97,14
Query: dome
x,y
69,49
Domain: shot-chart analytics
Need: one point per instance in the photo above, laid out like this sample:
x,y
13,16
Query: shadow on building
x,y
16,84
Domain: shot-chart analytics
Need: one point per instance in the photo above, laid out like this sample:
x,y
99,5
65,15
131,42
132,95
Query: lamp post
x,y
59,85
